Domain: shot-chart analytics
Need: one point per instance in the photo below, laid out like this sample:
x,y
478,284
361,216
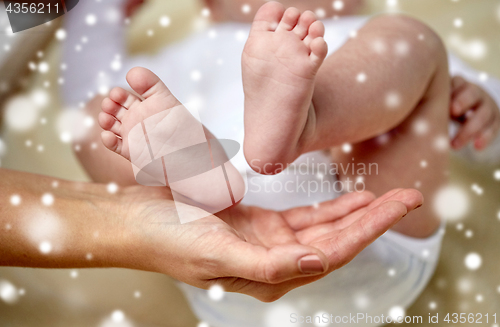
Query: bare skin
x,y
137,229
368,106
123,110
409,158
476,111
419,100
283,53
406,81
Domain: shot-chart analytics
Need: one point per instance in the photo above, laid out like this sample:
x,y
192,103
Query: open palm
x,y
256,251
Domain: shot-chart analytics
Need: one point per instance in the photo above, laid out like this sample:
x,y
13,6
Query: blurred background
x,y
30,140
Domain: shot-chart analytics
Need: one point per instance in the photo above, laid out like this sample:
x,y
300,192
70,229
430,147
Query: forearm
x,y
81,228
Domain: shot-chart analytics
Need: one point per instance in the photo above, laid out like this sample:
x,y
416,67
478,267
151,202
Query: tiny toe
x,y
113,108
123,97
305,20
289,20
109,123
317,29
111,141
268,16
145,82
319,50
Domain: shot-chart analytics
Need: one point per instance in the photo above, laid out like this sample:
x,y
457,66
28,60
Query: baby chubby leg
x,y
395,116
376,80
392,75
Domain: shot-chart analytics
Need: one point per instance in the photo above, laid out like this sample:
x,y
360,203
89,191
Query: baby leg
x,y
376,80
401,94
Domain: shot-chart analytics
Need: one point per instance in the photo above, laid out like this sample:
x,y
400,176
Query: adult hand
x,y
254,251
248,250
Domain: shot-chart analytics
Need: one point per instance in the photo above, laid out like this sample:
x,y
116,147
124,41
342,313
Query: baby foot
x,y
281,58
168,146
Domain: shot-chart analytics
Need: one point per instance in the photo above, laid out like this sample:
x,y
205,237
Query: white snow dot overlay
x,y
216,293
338,5
47,199
112,188
45,247
8,292
392,100
61,34
21,113
346,147
246,8
496,174
117,316
165,21
196,75
15,200
43,67
397,313
361,77
451,203
91,19
473,261
321,323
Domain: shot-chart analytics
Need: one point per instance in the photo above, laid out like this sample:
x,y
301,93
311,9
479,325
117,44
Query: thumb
x,y
273,265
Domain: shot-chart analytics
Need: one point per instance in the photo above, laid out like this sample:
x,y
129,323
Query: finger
x,y
468,97
457,83
261,291
340,250
342,247
412,199
480,119
271,265
488,135
300,218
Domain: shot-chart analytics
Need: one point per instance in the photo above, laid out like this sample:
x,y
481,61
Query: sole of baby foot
x,y
280,61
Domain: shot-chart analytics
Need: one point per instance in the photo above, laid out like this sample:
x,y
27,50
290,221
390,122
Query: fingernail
x,y
311,264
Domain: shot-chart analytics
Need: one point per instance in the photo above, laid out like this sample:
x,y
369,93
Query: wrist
x,y
115,237
140,215
97,233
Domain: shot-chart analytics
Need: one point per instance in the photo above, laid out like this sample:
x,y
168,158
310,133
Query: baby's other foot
x,y
281,58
